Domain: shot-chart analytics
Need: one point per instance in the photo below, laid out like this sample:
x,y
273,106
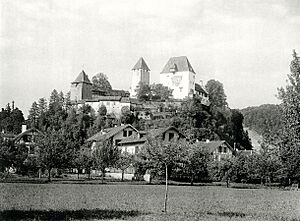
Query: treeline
x,y
266,120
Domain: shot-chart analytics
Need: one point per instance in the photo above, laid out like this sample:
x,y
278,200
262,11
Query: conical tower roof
x,y
82,78
141,64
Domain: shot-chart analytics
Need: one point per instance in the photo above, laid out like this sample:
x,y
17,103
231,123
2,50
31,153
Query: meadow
x,y
19,201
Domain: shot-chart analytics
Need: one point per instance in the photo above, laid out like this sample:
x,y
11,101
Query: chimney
x,y
24,127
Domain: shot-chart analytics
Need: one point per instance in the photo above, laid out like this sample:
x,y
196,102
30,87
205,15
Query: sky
x,y
246,45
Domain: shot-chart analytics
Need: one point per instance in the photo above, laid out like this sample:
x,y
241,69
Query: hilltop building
x,y
81,88
179,75
140,74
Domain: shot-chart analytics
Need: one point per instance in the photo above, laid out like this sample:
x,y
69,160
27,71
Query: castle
x,y
178,74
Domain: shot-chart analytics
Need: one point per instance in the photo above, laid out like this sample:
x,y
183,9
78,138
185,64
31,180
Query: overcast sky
x,y
246,45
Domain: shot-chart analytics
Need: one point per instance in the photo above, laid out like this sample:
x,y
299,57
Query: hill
x,y
264,119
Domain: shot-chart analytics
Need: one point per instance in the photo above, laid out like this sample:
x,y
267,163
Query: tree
x,y
216,93
33,114
42,105
161,92
196,163
290,140
124,161
83,160
101,83
127,117
144,92
104,155
164,154
53,152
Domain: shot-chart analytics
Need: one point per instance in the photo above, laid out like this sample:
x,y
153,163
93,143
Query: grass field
x,y
144,202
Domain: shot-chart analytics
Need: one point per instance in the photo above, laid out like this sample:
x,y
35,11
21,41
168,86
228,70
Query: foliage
x,y
216,93
124,161
11,120
127,117
105,155
154,92
101,83
290,139
265,120
53,151
196,163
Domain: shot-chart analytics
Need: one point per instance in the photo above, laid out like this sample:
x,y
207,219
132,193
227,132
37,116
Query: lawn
x,y
144,202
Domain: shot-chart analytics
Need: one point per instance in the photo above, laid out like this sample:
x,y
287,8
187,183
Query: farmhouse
x,y
218,149
28,138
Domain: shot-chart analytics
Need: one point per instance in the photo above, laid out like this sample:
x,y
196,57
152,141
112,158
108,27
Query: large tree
x,y
100,82
53,151
290,145
216,93
105,155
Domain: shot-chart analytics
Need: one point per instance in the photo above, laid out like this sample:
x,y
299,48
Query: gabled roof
x,y
109,132
82,78
211,146
178,64
200,89
29,131
141,64
159,131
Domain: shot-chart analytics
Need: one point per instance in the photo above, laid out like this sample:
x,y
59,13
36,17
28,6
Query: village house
x,y
219,149
129,139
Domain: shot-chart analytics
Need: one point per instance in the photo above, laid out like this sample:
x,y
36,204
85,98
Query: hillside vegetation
x,y
265,119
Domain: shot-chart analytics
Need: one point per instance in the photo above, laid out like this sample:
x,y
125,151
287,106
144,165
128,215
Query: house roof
x,y
20,135
211,146
200,89
179,64
82,78
159,131
141,64
108,133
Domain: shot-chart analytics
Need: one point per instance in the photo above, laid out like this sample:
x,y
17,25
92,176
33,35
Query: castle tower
x,y
179,75
140,73
81,88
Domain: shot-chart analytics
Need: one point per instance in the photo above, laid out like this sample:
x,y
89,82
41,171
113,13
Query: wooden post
x,y
166,190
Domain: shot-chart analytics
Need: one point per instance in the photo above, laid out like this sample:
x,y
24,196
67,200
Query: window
x,y
171,136
129,133
137,149
220,149
125,133
180,89
225,149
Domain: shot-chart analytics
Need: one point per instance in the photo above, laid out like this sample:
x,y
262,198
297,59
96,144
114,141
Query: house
x,y
114,134
218,149
202,93
133,144
28,137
